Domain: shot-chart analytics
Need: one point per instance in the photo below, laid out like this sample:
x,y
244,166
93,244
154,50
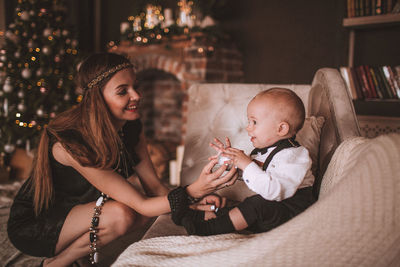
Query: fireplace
x,y
165,72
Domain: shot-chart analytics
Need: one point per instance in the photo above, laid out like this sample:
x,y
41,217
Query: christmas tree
x,y
37,66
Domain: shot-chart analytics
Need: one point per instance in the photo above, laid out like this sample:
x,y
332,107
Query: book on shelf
x,y
371,82
360,8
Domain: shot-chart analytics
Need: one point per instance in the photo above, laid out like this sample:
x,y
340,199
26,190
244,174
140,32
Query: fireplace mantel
x,y
197,59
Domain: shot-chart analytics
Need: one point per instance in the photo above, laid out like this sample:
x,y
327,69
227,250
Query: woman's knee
x,y
120,217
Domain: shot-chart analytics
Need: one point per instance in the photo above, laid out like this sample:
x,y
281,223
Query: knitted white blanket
x,y
356,222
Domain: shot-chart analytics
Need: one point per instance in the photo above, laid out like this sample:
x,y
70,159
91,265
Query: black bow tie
x,y
290,142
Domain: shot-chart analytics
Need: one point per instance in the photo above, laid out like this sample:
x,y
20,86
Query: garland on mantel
x,y
155,25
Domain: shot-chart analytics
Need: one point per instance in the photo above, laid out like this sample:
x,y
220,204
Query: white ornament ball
x,y
21,94
40,112
30,44
19,142
9,148
3,58
32,13
65,32
26,73
21,107
66,97
47,32
25,15
7,87
39,72
17,54
46,50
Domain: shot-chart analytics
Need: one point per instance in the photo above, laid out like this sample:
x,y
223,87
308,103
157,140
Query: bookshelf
x,y
372,107
367,22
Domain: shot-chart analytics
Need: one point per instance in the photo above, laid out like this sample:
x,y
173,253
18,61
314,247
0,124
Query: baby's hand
x,y
239,158
219,146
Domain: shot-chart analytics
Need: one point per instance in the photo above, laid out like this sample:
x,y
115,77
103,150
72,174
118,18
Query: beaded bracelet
x,y
93,230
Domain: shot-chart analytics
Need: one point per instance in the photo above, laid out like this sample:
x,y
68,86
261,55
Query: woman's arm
x,y
114,185
145,170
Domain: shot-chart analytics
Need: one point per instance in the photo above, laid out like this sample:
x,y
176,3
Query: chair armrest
x,y
330,98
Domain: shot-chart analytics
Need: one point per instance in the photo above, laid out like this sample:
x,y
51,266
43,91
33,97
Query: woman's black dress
x,y
38,235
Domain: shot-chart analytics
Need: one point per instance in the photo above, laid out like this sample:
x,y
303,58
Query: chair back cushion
x,y
219,110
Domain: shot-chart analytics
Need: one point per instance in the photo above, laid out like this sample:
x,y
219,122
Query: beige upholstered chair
x,y
355,222
219,110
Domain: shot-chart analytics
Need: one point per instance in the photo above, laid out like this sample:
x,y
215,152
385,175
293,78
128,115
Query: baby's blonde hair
x,y
289,106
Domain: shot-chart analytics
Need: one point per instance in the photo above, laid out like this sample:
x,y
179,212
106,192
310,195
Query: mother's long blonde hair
x,y
86,131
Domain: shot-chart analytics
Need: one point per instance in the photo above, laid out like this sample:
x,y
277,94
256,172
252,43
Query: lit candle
x,y
124,26
173,177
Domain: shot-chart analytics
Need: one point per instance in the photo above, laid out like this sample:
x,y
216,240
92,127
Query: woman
x,y
79,178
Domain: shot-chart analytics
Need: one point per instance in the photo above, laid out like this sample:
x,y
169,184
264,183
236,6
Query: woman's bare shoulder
x,y
61,155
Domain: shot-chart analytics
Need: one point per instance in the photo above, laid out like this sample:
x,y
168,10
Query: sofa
x,y
356,219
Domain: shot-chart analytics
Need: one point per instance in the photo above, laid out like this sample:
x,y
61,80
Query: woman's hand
x,y
210,205
211,202
209,181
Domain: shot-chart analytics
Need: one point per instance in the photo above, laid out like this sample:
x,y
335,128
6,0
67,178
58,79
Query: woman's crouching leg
x,y
115,220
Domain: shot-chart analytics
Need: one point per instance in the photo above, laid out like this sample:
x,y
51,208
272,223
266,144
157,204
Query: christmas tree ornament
x,y
26,73
67,97
47,32
40,111
9,148
7,87
34,40
5,107
46,50
21,107
30,44
39,72
25,15
18,142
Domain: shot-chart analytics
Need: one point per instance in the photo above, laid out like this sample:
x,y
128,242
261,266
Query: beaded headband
x,y
108,73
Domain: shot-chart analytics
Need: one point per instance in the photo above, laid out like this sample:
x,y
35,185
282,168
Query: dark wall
x,y
287,41
282,41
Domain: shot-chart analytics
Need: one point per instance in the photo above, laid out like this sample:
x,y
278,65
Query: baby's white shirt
x,y
289,170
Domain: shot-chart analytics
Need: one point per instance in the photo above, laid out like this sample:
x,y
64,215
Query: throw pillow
x,y
309,137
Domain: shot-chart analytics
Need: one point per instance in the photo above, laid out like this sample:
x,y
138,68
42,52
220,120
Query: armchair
x,y
355,222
